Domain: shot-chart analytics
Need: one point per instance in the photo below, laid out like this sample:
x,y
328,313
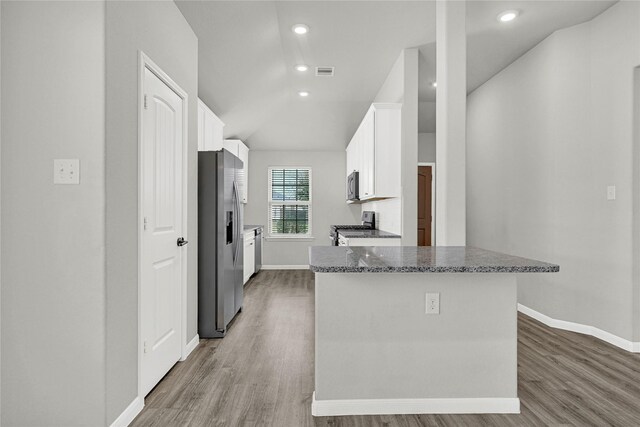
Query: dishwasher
x,y
258,245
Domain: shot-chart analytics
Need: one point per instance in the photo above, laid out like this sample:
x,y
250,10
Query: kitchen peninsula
x,y
410,330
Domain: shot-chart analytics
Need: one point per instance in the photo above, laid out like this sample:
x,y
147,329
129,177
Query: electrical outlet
x,y
66,171
611,192
432,304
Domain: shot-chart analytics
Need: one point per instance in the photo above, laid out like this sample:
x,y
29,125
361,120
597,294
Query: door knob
x,y
182,242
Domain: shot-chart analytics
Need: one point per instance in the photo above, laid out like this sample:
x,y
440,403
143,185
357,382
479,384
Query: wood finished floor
x,y
262,373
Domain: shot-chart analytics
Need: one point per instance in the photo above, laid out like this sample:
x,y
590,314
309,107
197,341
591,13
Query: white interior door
x,y
161,270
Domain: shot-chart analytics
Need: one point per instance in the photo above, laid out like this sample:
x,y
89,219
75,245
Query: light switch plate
x,y
611,192
66,171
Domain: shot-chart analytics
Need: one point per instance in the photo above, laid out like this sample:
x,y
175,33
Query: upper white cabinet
x,y
240,150
374,151
210,129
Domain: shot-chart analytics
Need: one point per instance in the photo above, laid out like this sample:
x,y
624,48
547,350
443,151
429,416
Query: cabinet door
x,y
350,167
368,156
208,130
243,154
357,159
249,265
231,145
217,132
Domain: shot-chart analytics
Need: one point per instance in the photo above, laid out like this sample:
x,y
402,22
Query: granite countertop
x,y
419,259
252,227
367,234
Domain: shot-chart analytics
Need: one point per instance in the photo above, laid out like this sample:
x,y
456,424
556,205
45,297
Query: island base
x,y
378,352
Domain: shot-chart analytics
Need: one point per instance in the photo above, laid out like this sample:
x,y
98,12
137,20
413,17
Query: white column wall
x,y
451,123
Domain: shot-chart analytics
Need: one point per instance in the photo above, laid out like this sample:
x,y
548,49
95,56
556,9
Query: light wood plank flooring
x,y
262,373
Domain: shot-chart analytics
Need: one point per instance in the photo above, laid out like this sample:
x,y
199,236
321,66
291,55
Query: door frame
x,y
433,199
144,62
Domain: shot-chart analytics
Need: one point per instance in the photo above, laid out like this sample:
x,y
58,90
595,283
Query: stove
x,y
368,223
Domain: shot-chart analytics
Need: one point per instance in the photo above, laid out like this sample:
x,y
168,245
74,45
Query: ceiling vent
x,y
324,71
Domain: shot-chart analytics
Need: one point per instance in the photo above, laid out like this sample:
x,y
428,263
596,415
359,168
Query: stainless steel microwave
x,y
353,185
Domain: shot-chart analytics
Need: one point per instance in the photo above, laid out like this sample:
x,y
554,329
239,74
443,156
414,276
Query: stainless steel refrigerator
x,y
220,245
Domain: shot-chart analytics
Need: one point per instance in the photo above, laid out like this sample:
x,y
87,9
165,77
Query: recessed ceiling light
x,y
303,93
300,29
508,15
434,84
301,67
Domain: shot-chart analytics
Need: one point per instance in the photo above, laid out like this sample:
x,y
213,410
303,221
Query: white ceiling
x,y
247,52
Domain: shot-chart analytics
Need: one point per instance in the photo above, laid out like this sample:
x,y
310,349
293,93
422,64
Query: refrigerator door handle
x,y
237,222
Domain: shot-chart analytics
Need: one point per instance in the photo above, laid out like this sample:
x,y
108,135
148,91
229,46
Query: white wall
x,y
451,94
69,296
427,147
53,236
400,215
427,116
158,29
546,136
328,200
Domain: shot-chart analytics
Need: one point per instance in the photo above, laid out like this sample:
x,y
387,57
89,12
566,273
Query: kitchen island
x,y
410,330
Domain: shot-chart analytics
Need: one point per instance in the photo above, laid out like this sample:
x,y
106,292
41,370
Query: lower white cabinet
x,y
249,255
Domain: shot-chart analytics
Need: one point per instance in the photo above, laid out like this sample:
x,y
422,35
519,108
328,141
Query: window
x,y
290,201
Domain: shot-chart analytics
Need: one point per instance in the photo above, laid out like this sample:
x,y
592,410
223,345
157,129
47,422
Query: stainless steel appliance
x,y
353,186
368,223
258,249
220,245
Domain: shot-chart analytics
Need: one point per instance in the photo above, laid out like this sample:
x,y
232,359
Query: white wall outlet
x,y
611,192
66,171
433,304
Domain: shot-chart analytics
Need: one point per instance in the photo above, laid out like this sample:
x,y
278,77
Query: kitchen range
x,y
368,223
353,235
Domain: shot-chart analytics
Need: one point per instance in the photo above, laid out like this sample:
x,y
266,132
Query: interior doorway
x,y
426,204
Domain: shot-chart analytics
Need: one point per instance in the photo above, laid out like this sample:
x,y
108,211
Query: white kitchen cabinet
x,y
249,255
351,165
367,156
210,129
243,154
374,151
240,150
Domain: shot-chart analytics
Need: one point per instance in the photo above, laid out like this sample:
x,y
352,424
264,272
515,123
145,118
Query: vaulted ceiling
x,y
247,54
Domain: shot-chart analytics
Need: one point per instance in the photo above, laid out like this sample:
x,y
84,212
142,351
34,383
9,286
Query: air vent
x,y
324,71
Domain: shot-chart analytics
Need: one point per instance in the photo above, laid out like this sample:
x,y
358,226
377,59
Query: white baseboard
x,y
129,413
190,347
622,343
286,267
499,405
